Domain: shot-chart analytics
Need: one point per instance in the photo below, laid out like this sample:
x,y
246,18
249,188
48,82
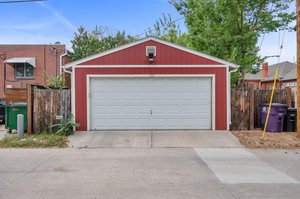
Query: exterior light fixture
x,y
151,53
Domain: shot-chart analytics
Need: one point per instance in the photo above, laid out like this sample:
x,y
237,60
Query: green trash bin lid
x,y
18,104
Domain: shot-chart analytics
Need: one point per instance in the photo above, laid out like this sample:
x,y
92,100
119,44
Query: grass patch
x,y
252,139
35,141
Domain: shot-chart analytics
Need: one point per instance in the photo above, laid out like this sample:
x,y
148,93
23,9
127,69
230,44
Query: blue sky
x,y
57,20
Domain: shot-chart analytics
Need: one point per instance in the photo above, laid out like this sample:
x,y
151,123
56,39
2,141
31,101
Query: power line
x,y
21,1
262,40
281,46
279,34
154,28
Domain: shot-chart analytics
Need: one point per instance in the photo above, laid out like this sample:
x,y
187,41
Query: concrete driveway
x,y
157,139
149,173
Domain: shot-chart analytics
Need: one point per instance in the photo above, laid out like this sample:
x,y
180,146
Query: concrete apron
x,y
239,166
154,139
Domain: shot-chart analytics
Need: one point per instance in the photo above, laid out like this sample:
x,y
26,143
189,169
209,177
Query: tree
x,y
100,39
166,29
230,29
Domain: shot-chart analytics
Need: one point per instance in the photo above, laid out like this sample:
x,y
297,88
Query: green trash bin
x,y
11,113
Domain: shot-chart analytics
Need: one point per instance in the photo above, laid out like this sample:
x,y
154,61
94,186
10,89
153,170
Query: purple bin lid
x,y
275,105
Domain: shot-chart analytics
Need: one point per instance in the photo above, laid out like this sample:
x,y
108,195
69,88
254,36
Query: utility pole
x,y
298,66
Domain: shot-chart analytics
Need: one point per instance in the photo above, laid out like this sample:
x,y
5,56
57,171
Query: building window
x,y
24,70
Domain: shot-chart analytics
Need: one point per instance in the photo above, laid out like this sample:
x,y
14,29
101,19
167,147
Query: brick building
x,y
27,64
264,79
287,77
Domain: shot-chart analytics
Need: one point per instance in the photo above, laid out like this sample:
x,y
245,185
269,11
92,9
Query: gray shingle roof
x,y
250,76
287,71
291,75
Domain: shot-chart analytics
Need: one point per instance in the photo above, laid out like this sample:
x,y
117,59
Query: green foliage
x,y
100,39
35,141
230,29
55,83
166,29
235,76
65,127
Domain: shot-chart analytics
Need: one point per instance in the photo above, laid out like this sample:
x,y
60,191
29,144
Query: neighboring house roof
x,y
78,62
250,76
287,71
292,75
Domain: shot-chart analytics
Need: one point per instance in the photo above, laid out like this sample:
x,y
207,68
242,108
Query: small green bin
x,y
11,113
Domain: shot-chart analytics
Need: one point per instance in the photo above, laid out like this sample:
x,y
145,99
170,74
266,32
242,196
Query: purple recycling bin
x,y
276,117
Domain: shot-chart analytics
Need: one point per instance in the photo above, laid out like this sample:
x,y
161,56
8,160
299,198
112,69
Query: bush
x,y
55,83
65,127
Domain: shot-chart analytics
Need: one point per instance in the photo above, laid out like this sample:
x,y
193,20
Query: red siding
x,y
220,84
165,55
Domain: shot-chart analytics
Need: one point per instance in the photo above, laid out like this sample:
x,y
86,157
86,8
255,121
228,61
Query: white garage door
x,y
150,103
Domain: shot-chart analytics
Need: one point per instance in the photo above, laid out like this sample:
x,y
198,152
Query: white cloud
x,y
62,19
30,26
21,37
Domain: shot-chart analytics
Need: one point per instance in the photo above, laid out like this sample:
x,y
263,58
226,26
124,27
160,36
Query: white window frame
x,y
25,65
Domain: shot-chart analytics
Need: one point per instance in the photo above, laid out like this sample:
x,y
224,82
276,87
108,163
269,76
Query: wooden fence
x,y
15,95
245,105
45,106
240,108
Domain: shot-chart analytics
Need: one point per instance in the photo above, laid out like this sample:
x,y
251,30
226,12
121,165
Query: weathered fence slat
x,y
240,109
47,104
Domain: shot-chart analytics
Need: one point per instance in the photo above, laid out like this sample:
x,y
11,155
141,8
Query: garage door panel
x,y
150,103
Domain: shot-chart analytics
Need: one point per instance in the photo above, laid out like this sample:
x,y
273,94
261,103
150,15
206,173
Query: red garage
x,y
151,84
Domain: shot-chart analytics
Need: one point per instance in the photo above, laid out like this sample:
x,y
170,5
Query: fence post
x,y
251,108
29,109
289,99
20,125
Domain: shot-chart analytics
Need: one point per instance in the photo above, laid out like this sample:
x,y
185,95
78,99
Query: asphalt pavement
x,y
149,173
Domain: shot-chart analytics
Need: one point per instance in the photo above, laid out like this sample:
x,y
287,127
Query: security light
x,y
151,53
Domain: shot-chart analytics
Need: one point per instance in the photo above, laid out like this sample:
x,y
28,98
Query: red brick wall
x,y
44,63
268,85
254,83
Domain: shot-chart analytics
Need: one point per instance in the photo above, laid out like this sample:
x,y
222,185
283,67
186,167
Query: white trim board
x,y
143,41
228,98
150,66
213,100
73,96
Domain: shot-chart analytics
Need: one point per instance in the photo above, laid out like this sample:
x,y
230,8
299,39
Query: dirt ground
x,y
252,139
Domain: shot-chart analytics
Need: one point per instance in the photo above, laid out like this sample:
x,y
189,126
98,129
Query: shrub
x,y
65,127
55,83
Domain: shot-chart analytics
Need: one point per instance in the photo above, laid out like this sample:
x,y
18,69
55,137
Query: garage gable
x,y
166,54
174,88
